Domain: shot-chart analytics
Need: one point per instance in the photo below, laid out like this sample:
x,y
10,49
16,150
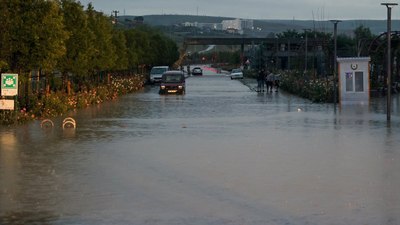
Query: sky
x,y
252,9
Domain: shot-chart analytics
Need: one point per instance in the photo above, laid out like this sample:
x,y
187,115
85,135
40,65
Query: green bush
x,y
316,90
54,104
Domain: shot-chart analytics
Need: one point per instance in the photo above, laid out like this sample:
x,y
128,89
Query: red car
x,y
172,82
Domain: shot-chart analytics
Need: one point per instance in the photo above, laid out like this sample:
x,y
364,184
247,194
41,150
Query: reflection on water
x,y
220,154
28,218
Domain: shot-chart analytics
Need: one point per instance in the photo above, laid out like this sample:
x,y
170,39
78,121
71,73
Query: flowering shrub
x,y
317,90
59,103
124,86
54,105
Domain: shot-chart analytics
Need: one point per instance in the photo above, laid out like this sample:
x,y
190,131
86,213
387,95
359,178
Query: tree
x,y
5,36
165,51
132,49
20,34
148,46
172,52
121,49
38,35
362,37
78,46
290,33
103,55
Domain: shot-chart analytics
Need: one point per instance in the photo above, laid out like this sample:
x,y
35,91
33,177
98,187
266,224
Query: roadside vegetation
x,y
316,90
69,56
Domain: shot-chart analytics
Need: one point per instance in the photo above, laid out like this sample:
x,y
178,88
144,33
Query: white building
x,y
237,24
212,26
354,86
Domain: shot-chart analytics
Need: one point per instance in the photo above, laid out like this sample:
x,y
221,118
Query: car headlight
x,y
162,87
180,86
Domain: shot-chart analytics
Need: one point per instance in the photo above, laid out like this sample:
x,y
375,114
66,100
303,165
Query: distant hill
x,y
274,26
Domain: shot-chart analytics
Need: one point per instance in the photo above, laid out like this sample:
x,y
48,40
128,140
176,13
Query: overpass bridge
x,y
291,43
279,48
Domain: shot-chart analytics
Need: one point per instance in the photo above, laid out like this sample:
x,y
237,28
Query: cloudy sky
x,y
252,9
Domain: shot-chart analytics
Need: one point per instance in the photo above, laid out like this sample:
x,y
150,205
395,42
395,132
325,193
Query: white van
x,y
156,73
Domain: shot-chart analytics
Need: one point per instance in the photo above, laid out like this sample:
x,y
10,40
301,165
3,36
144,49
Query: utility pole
x,y
306,50
288,51
115,16
335,22
115,13
389,7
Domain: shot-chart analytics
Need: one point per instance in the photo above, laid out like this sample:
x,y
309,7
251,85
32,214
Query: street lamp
x,y
389,7
306,50
335,23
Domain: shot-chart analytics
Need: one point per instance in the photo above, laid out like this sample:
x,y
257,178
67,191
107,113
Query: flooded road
x,y
221,154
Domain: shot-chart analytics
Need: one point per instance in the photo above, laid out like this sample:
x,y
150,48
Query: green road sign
x,y
9,84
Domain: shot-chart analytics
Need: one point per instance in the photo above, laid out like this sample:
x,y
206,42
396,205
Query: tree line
x,y
62,35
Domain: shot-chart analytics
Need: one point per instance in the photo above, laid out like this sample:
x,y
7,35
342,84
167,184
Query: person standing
x,y
269,81
260,80
277,79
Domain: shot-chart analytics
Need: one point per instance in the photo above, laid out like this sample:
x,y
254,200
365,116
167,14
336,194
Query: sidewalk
x,y
250,82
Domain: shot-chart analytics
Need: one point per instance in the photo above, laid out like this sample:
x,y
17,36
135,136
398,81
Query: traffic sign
x,y
9,84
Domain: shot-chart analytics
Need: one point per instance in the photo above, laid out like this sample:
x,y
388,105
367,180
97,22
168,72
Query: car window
x,y
158,70
170,78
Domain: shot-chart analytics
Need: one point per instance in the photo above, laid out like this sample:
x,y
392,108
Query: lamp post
x,y
335,23
306,50
389,7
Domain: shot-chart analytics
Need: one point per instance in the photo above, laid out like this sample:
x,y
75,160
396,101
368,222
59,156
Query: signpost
x,y
9,84
7,104
9,87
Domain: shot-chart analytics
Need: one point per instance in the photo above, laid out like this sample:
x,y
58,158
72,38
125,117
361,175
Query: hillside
x,y
274,26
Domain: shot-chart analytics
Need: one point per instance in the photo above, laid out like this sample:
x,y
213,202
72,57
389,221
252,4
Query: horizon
x,y
310,20
311,10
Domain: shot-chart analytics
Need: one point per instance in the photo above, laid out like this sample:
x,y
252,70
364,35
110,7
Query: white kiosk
x,y
354,84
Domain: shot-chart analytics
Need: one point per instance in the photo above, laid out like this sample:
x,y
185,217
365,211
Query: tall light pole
x,y
389,7
335,23
306,50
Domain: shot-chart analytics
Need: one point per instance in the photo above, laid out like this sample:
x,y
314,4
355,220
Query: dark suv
x,y
172,82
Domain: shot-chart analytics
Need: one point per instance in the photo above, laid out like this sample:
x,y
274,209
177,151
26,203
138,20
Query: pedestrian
x,y
269,81
277,79
260,80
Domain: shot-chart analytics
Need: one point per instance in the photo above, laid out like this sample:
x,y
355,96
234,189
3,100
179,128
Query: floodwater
x,y
221,154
